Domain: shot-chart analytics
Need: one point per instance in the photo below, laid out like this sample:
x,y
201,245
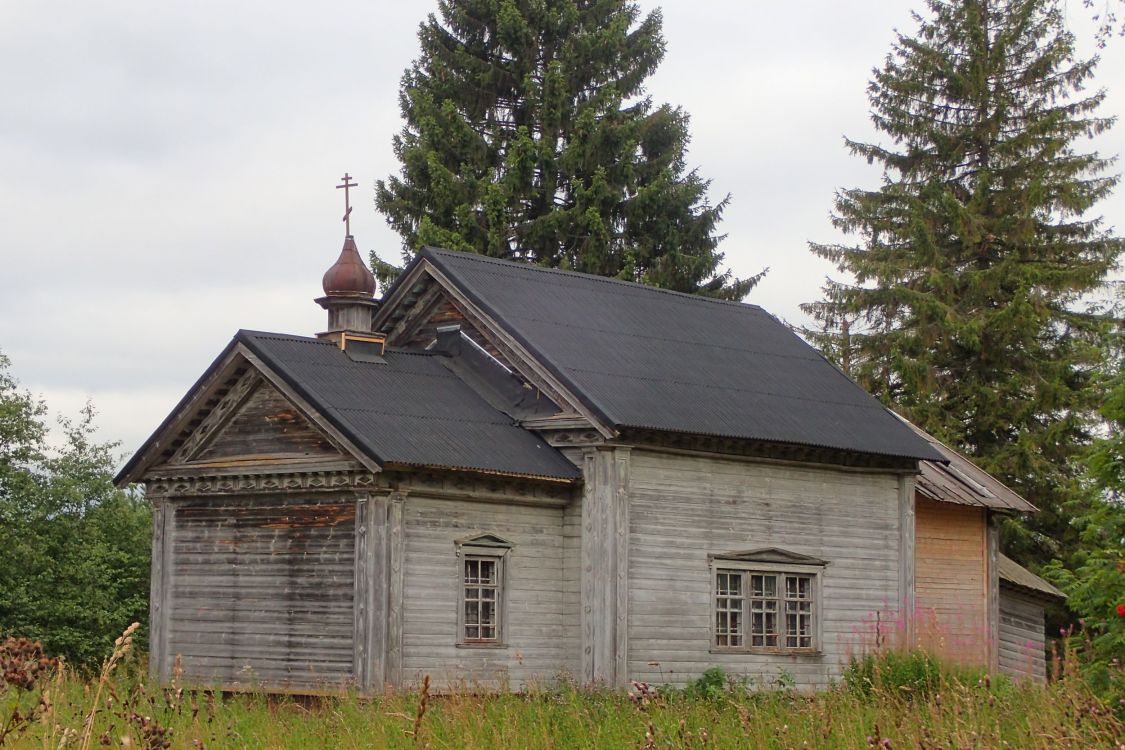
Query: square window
x,y
771,609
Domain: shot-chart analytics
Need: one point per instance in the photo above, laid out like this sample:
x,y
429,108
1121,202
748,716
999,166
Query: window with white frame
x,y
481,604
766,600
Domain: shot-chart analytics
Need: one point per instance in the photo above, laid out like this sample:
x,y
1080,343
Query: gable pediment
x,y
242,423
264,424
424,300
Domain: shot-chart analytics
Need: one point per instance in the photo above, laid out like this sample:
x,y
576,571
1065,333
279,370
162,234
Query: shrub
x,y
74,550
910,674
711,684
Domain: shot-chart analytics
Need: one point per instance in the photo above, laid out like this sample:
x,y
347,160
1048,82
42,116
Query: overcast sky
x,y
167,169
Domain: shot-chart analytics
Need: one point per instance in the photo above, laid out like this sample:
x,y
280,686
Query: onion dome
x,y
349,276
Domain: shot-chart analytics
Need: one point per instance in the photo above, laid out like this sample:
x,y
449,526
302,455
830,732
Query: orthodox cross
x,y
348,184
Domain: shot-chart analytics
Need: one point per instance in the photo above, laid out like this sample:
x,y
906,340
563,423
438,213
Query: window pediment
x,y
772,555
489,541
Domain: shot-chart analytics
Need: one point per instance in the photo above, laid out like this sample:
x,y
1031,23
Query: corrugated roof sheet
x,y
650,358
1012,572
962,482
409,411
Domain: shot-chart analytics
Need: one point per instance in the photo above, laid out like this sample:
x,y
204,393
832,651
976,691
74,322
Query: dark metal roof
x,y
649,358
409,411
1014,574
962,482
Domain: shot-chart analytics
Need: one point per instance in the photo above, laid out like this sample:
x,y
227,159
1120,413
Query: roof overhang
x,y
234,360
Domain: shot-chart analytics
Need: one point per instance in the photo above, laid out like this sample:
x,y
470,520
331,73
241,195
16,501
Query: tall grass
x,y
872,709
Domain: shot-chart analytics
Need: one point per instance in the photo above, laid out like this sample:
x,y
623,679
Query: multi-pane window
x,y
481,599
798,611
764,609
729,604
482,561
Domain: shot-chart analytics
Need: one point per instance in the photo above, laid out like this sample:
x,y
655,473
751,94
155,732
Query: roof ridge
x,y
281,336
588,276
298,338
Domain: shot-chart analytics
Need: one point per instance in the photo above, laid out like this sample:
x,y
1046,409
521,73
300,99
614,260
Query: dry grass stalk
x,y
121,648
423,702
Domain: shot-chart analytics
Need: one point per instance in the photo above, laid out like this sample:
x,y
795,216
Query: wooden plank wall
x,y
951,581
267,425
572,587
1022,634
683,508
260,590
536,643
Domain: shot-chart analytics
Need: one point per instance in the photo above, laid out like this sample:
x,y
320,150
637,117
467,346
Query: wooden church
x,y
501,474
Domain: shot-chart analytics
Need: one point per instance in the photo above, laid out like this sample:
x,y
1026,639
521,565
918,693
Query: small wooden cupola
x,y
349,290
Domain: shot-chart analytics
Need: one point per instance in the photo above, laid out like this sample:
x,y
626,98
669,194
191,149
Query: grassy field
x,y
936,709
960,716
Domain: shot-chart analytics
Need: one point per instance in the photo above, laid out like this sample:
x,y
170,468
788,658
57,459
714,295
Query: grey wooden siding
x,y
572,587
683,507
534,651
1022,633
267,425
261,591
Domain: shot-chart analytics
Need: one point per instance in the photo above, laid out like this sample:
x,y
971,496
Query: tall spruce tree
x,y
528,137
968,305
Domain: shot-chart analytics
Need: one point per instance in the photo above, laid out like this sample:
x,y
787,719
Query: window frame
x,y
490,548
746,566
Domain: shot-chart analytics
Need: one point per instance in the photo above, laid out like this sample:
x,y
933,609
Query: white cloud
x,y
168,168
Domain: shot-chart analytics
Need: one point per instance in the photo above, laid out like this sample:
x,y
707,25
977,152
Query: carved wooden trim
x,y
462,486
760,450
396,557
511,350
223,375
259,483
520,360
361,598
157,607
280,464
337,438
605,567
418,313
569,438
217,417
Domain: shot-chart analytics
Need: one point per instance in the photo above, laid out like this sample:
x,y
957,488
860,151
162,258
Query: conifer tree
x,y
968,303
528,137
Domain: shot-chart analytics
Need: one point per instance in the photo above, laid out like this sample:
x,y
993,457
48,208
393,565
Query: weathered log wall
x,y
1022,634
683,508
535,642
259,590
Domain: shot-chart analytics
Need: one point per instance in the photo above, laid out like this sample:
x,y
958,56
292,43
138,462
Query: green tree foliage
x,y
528,137
1104,13
1096,584
977,255
74,550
